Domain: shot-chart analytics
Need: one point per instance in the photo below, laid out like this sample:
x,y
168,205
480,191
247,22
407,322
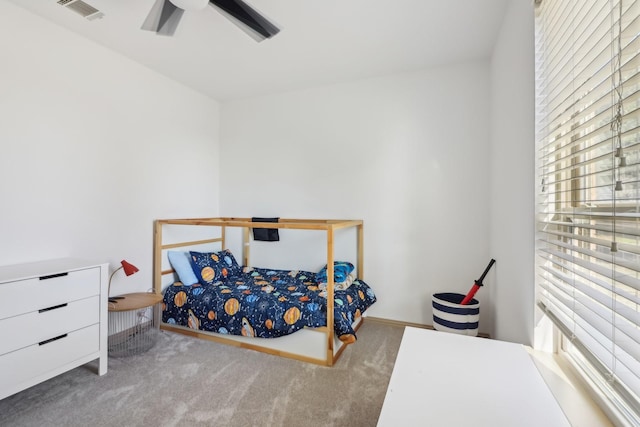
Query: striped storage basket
x,y
450,316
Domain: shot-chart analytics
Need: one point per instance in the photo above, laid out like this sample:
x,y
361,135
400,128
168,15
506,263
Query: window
x,y
588,199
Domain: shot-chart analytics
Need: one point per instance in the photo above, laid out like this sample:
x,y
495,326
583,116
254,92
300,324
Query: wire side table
x,y
131,323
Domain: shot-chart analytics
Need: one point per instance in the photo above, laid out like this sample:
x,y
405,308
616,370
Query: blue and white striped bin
x,y
450,316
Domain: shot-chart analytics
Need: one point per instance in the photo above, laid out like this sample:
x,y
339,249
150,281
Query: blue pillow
x,y
341,270
234,269
211,267
181,264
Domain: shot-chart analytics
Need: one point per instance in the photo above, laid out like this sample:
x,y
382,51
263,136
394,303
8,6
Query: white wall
x,y
512,175
78,123
94,147
408,154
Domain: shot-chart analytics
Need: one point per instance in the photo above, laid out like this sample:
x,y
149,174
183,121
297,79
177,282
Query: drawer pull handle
x,y
53,276
42,310
51,340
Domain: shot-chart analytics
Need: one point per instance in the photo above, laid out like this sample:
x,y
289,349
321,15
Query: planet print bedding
x,y
264,303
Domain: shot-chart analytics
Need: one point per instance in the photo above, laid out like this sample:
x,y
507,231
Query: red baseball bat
x,y
477,284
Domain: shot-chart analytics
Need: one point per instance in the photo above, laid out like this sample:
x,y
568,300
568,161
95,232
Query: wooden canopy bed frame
x,y
315,345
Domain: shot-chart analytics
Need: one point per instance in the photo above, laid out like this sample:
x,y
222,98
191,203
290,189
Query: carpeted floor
x,y
189,382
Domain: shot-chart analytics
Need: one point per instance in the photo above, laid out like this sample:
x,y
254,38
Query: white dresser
x,y
53,318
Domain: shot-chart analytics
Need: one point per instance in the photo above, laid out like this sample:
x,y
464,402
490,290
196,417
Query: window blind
x,y
588,170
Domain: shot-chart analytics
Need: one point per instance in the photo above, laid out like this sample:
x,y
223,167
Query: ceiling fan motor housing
x,y
190,5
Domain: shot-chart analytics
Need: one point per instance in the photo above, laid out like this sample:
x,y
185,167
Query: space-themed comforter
x,y
265,303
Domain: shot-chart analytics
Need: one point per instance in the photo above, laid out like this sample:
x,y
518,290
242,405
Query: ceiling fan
x,y
165,16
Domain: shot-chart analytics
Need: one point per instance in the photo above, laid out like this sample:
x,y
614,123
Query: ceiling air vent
x,y
82,8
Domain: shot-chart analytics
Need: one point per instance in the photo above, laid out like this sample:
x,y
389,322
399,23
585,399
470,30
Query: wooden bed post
x,y
330,287
360,231
157,257
223,237
245,246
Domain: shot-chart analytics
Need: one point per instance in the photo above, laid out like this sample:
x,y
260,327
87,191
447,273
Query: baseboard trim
x,y
401,323
397,322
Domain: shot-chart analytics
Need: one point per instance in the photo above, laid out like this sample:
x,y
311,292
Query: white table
x,y
443,379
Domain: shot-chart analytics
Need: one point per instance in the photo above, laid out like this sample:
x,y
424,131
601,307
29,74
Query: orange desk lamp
x,y
128,269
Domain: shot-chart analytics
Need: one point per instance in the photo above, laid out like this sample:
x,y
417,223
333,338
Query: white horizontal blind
x,y
588,219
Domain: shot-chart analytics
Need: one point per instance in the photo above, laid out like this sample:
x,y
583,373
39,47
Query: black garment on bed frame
x,y
265,234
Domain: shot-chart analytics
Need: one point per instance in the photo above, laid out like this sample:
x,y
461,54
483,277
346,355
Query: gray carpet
x,y
190,382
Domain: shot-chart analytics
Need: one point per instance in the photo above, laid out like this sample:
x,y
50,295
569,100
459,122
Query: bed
x,y
300,314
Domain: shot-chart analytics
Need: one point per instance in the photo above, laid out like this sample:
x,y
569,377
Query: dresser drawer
x,y
23,365
31,328
29,295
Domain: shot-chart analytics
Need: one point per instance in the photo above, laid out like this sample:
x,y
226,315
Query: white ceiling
x,y
320,42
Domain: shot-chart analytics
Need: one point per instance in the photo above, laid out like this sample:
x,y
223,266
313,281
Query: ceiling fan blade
x,y
247,18
163,18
